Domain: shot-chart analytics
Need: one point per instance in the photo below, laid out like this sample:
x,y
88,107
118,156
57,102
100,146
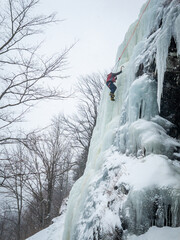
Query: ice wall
x,y
110,200
160,22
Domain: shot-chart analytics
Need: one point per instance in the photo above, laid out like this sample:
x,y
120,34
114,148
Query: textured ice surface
x,y
141,188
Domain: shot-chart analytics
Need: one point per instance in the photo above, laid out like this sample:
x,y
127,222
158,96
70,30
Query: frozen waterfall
x,y
132,177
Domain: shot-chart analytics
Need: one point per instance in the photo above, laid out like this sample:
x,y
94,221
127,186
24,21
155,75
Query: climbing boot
x,y
112,94
112,98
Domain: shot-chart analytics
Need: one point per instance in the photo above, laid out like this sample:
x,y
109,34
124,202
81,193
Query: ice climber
x,y
111,79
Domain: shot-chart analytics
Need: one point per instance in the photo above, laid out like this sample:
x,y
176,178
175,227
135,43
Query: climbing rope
x,y
132,33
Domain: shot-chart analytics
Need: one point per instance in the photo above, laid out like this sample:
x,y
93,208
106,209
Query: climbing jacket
x,y
111,77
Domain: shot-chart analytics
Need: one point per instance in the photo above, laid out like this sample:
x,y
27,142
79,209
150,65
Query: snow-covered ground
x,y
154,233
53,232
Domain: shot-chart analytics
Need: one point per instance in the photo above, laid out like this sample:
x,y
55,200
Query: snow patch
x,y
154,233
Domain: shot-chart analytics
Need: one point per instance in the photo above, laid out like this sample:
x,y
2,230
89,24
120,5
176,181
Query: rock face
x,y
132,177
170,101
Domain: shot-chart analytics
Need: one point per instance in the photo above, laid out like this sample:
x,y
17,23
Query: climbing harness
x,y
132,34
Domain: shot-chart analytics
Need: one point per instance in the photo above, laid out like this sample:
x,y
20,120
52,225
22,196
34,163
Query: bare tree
x,y
24,73
13,187
81,125
7,223
51,157
35,177
35,168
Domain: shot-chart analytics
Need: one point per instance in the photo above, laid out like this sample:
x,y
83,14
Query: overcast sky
x,y
100,27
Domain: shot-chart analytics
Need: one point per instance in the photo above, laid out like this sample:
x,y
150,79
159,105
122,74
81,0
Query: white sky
x,y
100,27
